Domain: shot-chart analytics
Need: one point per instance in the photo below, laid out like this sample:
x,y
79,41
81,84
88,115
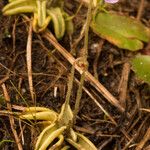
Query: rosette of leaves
x,y
56,133
57,129
43,13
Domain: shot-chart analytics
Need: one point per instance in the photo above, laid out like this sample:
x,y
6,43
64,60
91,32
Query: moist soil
x,y
50,71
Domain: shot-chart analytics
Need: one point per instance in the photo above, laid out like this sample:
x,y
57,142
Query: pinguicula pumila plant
x,y
43,12
56,129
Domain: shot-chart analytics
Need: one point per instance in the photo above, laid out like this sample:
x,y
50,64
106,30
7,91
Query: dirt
x,y
50,71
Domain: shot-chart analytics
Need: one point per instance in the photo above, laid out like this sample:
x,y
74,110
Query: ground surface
x,y
50,71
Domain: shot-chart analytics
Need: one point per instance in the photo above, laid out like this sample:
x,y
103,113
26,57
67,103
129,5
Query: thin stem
x,y
78,98
70,85
66,116
85,63
85,52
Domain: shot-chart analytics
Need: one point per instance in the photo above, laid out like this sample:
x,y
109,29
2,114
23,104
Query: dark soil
x,y
51,69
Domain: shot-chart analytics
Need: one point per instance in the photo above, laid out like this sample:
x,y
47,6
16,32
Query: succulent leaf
x,y
141,66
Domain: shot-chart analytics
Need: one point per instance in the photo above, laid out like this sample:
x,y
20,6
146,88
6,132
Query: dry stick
x,y
11,119
138,98
135,136
105,143
21,132
144,140
4,79
124,84
147,147
131,124
144,109
98,51
94,82
84,130
140,10
29,61
9,70
14,35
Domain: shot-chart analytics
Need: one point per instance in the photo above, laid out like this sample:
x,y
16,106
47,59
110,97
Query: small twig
x,y
128,144
124,84
105,143
140,10
144,140
138,98
9,70
147,148
98,51
11,119
21,133
4,79
29,61
135,136
144,109
14,35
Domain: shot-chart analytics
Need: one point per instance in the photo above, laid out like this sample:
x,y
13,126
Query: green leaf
x,y
122,31
141,66
58,21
